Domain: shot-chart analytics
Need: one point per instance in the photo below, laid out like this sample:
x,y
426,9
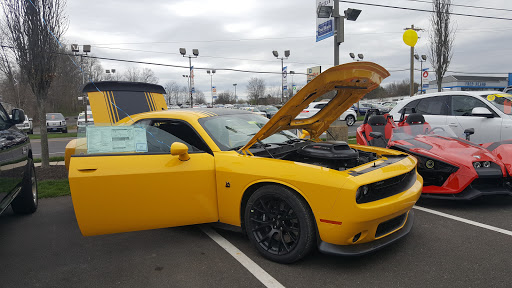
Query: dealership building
x,y
470,83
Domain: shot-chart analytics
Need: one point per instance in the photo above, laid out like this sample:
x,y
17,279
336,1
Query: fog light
x,y
487,164
477,165
354,240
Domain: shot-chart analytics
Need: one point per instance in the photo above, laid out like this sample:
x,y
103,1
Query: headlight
x,y
487,164
477,165
362,192
484,164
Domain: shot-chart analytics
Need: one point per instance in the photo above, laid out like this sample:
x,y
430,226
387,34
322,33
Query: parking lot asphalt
x,y
46,249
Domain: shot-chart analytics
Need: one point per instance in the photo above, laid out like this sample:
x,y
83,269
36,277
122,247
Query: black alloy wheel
x,y
280,224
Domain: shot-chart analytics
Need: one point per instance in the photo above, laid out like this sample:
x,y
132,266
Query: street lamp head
x,y
195,52
352,14
275,53
292,72
86,48
417,56
360,56
184,75
113,70
286,53
183,51
235,84
208,71
352,55
424,57
213,71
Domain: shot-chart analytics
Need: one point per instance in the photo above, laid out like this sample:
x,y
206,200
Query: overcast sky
x,y
241,34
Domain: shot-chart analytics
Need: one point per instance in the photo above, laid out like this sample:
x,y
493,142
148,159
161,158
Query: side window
x,y
409,106
319,106
161,134
433,106
463,105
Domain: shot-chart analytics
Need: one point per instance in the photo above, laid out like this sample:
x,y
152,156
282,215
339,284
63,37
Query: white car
x,y
255,110
81,124
488,112
348,116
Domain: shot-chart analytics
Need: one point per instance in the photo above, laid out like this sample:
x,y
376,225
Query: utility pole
x,y
338,31
412,61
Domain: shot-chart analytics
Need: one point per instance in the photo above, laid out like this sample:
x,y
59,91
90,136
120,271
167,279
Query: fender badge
x,y
228,184
429,164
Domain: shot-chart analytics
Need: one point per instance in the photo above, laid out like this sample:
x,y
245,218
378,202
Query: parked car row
x,y
349,116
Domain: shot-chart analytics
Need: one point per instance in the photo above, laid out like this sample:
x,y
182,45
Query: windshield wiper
x,y
255,145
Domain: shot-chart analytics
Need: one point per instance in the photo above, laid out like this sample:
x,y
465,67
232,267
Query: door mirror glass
x,y
18,116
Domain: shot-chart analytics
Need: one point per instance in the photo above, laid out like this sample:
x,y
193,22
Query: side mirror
x,y
481,112
181,150
376,134
18,116
30,119
468,132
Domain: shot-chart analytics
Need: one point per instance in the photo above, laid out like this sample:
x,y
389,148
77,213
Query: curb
x,y
58,163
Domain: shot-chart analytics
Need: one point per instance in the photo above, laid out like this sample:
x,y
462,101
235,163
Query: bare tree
x,y
256,90
33,28
441,39
173,90
135,75
225,97
199,97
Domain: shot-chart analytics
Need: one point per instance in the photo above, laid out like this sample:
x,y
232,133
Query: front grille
x,y
389,187
390,225
488,184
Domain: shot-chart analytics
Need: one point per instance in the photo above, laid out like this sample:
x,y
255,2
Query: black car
x,y
269,110
18,184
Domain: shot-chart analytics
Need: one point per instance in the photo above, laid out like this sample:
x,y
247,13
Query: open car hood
x,y
350,82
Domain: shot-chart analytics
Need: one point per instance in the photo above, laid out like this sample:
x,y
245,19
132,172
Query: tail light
x,y
304,111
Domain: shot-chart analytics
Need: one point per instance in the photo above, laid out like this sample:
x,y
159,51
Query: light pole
x,y
286,55
75,48
236,100
339,25
188,85
195,53
353,56
211,72
422,59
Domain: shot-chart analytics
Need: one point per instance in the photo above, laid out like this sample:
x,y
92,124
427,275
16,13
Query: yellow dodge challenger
x,y
289,195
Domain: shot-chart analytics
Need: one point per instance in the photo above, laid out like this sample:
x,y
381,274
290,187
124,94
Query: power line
x,y
465,6
423,10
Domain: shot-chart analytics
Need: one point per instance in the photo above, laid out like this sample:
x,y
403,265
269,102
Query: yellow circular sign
x,y
429,164
491,97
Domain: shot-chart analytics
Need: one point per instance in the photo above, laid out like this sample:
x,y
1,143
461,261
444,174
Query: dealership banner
x,y
324,26
312,72
285,82
192,89
214,92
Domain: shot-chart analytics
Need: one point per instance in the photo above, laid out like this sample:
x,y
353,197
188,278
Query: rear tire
x,y
26,202
280,224
65,130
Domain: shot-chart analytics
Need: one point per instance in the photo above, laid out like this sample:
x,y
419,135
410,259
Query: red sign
x,y
425,74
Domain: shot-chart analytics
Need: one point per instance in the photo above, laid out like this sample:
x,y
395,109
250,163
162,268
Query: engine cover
x,y
335,154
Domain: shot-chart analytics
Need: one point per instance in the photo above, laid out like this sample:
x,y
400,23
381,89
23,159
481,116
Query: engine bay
x,y
336,155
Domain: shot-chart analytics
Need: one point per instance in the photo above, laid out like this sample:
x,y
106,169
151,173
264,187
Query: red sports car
x,y
452,168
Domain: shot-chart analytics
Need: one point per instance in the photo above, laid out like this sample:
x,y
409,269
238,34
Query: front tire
x,y
27,200
350,120
65,130
280,224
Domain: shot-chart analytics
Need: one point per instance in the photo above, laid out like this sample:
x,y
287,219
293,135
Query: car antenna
x,y
263,145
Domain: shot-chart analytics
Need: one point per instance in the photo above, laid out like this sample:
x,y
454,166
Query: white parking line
x,y
478,224
255,270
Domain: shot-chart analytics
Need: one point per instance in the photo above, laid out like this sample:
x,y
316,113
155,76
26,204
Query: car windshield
x,y
413,131
54,116
235,130
502,101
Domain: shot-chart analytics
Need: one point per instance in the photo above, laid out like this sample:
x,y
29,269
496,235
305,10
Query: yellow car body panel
x,y
136,192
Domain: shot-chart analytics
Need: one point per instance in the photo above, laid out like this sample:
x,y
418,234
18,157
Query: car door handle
x,y
87,169
453,124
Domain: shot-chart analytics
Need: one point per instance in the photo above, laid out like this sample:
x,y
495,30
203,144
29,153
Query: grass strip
x,y
53,188
52,159
52,135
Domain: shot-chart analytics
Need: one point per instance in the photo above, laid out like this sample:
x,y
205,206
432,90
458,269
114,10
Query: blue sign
x,y
325,30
